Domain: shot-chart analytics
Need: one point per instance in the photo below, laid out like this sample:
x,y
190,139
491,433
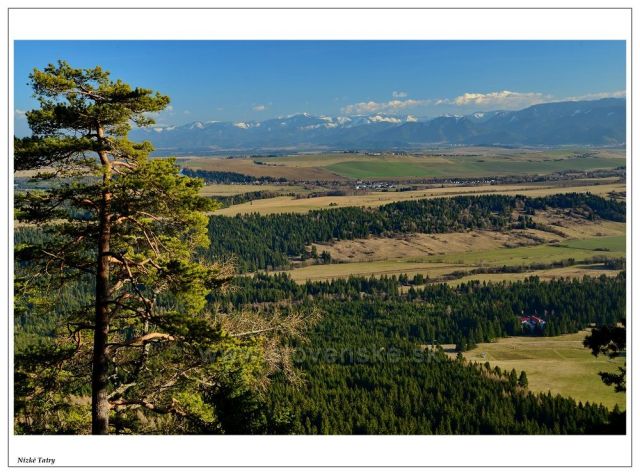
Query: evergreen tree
x,y
610,341
523,382
128,226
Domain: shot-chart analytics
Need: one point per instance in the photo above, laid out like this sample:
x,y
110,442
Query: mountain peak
x,y
598,122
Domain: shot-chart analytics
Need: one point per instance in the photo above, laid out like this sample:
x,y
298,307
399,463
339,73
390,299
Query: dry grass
x,y
247,166
435,270
420,245
391,260
416,246
232,190
366,269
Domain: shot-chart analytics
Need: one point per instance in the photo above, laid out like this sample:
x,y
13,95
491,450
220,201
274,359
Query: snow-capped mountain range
x,y
601,122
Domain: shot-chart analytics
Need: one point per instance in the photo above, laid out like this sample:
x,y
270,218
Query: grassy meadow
x,y
439,266
457,163
451,163
559,364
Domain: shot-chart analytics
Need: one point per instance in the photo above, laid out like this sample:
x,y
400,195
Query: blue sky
x,y
254,80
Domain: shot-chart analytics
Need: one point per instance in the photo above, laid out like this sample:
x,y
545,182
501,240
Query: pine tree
x,y
129,226
523,382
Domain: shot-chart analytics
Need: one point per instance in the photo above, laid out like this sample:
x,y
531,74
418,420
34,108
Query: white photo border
x,y
290,24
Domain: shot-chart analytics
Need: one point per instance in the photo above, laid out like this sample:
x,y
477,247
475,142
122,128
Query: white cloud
x,y
395,105
259,107
20,112
596,95
497,100
398,94
169,108
411,118
380,118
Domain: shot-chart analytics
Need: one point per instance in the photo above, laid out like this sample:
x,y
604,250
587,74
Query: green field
x,y
456,162
374,169
558,364
611,243
578,249
463,166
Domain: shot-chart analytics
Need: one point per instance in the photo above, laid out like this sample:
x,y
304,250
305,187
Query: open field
x,y
232,190
248,166
455,163
289,204
440,265
558,364
613,243
458,163
419,245
542,254
569,231
468,167
433,270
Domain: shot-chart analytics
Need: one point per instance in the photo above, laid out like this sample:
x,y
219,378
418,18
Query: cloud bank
x,y
497,100
389,106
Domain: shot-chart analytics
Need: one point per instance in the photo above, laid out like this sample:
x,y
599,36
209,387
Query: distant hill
x,y
599,123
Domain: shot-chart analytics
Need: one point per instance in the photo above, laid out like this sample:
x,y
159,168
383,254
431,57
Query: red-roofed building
x,y
531,321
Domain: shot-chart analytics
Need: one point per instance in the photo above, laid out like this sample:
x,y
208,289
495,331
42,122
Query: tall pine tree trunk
x,y
99,378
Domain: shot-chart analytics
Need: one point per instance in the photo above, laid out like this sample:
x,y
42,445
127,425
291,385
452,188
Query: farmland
x,y
231,190
462,162
435,271
251,167
290,204
439,266
453,163
466,167
559,364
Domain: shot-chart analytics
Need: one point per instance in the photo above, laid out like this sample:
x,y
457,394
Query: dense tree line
x,y
373,364
466,314
354,387
228,177
226,201
269,242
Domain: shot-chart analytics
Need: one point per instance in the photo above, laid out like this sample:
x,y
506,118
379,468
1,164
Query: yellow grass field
x,y
435,270
561,227
232,190
288,204
393,258
558,364
248,166
366,269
